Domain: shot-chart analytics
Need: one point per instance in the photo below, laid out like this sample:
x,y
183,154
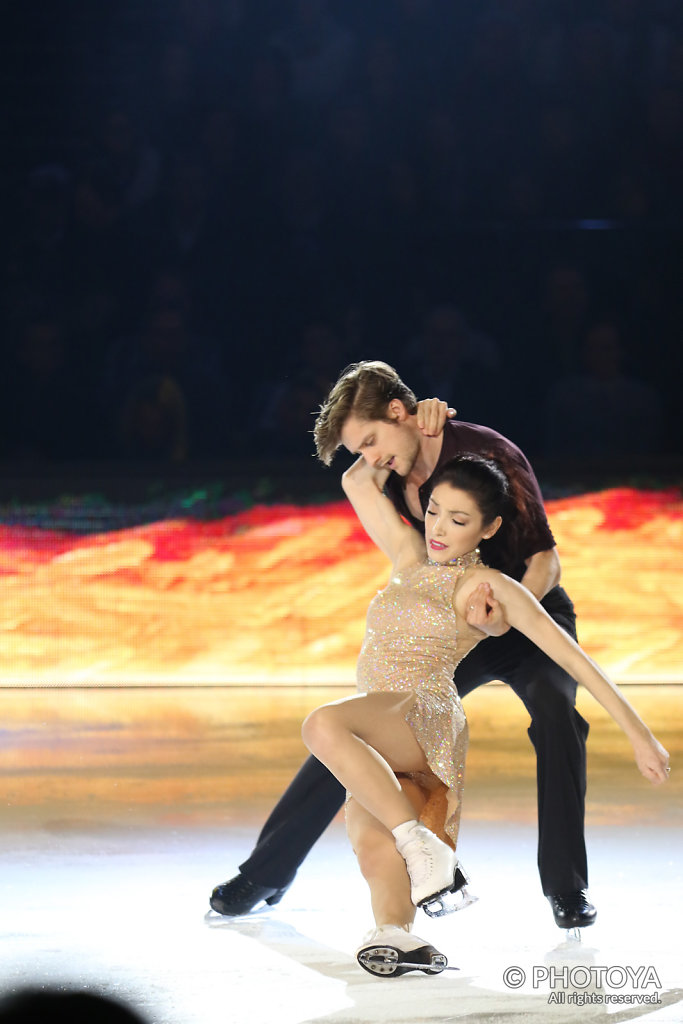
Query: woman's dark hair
x,y
482,478
498,491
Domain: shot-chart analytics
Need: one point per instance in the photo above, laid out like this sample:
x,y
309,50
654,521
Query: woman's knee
x,y
319,729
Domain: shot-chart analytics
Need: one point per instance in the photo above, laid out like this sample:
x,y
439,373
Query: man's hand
x,y
432,414
485,613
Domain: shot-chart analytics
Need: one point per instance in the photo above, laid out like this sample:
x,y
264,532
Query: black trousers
x,y
557,732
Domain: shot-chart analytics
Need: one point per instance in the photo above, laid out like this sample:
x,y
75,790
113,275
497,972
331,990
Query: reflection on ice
x,y
127,910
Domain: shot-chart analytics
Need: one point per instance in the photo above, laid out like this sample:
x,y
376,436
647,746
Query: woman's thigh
x,y
379,719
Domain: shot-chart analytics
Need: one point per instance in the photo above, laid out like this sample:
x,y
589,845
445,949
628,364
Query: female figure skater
x,y
399,745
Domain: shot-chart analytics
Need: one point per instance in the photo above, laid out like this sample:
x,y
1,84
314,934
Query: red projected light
x,y
278,595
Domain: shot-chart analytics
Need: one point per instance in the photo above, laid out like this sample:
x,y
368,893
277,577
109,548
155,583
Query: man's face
x,y
391,445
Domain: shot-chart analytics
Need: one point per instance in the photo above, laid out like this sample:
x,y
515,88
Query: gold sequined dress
x,y
413,642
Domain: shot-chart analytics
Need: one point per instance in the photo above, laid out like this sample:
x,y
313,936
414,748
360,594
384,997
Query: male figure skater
x,y
356,414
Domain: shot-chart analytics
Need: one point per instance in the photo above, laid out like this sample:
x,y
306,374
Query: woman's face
x,y
454,524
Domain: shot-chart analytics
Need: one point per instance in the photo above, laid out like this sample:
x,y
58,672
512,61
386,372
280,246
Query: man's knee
x,y
555,722
551,700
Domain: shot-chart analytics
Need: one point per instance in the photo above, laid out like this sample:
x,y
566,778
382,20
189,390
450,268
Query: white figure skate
x,y
437,882
390,951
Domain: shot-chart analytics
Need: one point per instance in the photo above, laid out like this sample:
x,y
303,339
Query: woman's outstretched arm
x,y
363,486
524,613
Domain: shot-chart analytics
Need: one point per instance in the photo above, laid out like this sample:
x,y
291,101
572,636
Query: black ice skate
x,y
572,912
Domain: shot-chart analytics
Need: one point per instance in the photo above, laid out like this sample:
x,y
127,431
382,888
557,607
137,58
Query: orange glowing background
x,y
277,595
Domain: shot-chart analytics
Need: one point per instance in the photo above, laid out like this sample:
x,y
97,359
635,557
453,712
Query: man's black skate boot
x,y
240,895
572,909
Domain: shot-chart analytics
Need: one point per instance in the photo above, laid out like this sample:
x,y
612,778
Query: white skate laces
x,y
433,870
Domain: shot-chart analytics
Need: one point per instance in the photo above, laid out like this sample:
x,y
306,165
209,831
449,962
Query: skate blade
x,y
448,902
387,961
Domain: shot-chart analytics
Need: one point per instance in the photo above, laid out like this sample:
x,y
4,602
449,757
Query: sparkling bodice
x,y
414,639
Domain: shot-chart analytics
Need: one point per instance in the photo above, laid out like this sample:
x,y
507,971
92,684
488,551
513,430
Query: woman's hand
x,y
432,414
652,759
362,475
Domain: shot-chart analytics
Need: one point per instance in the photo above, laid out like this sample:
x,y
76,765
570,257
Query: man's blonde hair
x,y
363,390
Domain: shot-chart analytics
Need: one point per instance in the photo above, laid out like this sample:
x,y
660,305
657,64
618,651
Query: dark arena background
x,y
210,208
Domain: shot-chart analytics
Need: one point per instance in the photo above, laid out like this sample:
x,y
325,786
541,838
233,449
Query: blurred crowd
x,y
213,206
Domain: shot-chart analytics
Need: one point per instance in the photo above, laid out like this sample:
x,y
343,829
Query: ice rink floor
x,y
111,893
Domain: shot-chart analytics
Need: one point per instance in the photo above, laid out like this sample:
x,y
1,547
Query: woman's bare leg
x,y
382,866
363,740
